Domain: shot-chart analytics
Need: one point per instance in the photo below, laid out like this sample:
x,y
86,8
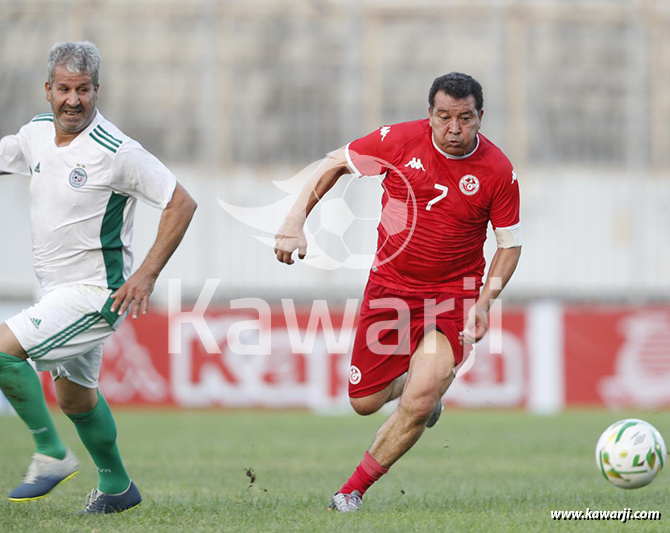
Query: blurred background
x,y
237,97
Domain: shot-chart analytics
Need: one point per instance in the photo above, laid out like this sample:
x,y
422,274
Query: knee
x,y
70,406
419,408
365,406
74,399
76,405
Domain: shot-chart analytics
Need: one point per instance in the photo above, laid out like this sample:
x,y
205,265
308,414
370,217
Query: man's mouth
x,y
72,112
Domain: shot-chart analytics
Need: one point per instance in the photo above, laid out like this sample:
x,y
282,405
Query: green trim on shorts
x,y
111,317
87,315
62,337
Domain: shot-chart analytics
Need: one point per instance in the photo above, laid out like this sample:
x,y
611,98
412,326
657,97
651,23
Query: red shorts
x,y
391,325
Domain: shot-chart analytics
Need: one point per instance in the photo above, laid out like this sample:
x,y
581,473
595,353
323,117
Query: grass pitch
x,y
265,471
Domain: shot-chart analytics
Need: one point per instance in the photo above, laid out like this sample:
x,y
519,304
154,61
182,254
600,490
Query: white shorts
x,y
64,332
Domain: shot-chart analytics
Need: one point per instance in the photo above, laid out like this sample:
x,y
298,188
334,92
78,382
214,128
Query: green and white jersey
x,y
83,199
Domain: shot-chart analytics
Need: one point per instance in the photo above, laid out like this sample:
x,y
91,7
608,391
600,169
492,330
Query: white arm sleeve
x,y
138,173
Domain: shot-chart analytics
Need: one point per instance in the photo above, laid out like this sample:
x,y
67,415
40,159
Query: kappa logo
x,y
642,367
37,168
129,370
354,375
36,322
78,178
415,163
384,131
469,184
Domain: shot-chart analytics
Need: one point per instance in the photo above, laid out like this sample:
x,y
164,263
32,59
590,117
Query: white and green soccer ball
x,y
631,453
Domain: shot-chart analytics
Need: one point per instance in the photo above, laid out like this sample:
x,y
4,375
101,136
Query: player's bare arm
x,y
176,217
290,236
503,265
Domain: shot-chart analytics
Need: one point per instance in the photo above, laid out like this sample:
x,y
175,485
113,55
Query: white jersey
x,y
83,198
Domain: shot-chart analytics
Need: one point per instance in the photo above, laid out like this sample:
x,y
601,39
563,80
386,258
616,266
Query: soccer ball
x,y
631,453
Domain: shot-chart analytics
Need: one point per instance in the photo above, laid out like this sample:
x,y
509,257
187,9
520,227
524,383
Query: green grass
x,y
475,471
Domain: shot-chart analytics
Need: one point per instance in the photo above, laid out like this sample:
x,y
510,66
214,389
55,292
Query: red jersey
x,y
435,207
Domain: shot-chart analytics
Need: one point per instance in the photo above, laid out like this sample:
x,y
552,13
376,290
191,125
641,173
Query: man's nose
x,y
73,99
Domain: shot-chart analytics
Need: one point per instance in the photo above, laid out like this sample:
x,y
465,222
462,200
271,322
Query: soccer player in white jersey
x,y
86,177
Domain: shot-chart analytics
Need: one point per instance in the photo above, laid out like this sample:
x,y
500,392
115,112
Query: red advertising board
x,y
609,356
617,356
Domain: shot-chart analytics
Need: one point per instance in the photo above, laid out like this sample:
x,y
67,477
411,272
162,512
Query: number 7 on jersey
x,y
444,192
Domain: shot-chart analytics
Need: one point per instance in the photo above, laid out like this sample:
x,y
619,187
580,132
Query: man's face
x,y
455,123
72,97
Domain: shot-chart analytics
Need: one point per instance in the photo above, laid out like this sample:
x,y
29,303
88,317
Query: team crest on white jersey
x,y
354,375
469,184
384,131
78,178
416,164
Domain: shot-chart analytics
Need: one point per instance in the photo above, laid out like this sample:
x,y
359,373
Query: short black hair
x,y
457,85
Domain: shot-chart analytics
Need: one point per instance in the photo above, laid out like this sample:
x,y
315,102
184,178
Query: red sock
x,y
366,473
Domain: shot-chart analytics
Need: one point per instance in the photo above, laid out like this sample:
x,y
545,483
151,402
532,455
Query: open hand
x,y
134,295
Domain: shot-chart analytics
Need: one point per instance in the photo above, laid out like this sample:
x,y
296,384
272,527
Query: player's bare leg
x,y
73,398
368,405
430,375
373,403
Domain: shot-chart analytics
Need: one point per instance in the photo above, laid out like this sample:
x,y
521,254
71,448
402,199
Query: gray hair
x,y
81,56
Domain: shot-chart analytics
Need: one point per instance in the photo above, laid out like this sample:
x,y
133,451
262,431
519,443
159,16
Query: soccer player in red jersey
x,y
444,182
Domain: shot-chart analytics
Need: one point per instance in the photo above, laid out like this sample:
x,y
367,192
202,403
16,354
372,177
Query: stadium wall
x,y
588,236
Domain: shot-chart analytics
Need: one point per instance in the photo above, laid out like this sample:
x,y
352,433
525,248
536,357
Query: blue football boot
x,y
100,503
44,474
